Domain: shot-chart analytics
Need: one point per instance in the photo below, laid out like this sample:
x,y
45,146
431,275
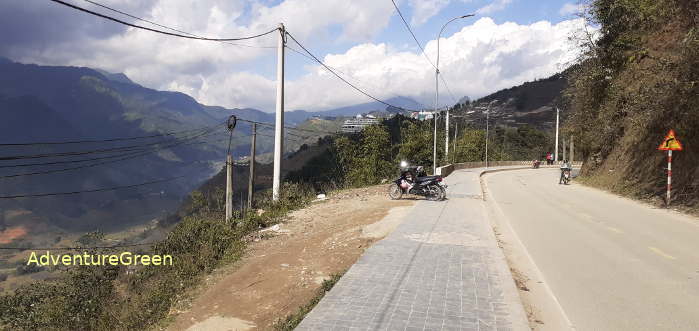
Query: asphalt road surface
x,y
613,264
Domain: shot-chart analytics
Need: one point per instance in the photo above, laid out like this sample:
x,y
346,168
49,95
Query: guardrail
x,y
449,168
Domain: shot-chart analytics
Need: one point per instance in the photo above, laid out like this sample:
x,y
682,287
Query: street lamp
x,y
487,130
436,100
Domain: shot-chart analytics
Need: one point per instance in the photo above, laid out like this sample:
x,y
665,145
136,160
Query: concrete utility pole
x,y
446,137
563,144
487,130
487,134
279,120
251,180
434,142
229,187
232,121
555,158
456,133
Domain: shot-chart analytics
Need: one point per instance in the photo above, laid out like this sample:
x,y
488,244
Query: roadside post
x,y
669,144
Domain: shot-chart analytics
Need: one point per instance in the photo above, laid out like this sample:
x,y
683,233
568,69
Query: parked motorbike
x,y
411,182
536,164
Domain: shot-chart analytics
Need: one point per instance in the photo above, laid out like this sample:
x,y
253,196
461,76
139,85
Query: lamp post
x,y
436,99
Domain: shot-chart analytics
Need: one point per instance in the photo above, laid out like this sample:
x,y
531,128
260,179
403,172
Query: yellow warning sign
x,y
670,143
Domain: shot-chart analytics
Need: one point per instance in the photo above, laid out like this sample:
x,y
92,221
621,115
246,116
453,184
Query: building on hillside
x,y
422,115
358,123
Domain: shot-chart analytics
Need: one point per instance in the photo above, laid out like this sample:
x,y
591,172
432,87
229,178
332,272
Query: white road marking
x,y
661,253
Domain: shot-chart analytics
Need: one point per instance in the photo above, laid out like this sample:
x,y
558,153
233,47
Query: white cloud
x,y
423,10
571,9
496,5
479,59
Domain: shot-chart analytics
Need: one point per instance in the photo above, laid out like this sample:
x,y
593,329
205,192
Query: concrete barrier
x,y
481,164
445,170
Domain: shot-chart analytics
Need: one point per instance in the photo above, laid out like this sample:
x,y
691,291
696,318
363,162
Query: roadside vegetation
x,y
109,297
638,78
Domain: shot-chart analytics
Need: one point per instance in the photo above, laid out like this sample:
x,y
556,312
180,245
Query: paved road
x,y
613,264
441,269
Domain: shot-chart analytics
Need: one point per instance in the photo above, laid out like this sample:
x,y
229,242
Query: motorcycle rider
x,y
564,166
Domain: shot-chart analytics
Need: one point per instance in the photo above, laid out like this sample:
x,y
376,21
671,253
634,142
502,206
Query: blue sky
x,y
507,43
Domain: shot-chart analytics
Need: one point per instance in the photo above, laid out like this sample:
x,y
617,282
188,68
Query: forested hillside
x,y
638,79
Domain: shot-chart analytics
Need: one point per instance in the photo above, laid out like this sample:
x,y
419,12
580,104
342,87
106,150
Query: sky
x,y
506,43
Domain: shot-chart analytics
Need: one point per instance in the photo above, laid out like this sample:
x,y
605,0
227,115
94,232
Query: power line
x,y
289,127
422,48
340,71
88,191
166,27
412,34
95,151
341,78
160,31
100,140
127,157
75,248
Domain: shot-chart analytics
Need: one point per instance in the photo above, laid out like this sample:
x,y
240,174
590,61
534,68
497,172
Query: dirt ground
x,y
285,266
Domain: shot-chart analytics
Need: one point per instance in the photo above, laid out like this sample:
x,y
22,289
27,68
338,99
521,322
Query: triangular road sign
x,y
670,143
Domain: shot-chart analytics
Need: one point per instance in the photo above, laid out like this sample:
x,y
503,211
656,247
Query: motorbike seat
x,y
426,178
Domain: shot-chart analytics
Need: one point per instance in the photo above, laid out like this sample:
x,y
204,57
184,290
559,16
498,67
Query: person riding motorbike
x,y
565,166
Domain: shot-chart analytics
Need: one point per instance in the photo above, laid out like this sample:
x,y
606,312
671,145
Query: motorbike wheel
x,y
395,192
433,193
443,193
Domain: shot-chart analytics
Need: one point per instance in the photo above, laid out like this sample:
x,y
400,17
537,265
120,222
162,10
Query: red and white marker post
x,y
669,144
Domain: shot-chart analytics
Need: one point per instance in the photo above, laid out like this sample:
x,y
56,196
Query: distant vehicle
x,y
536,164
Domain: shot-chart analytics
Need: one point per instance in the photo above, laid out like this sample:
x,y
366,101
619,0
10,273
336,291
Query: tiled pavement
x,y
441,269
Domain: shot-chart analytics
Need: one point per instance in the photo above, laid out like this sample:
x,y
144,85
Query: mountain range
x,y
60,104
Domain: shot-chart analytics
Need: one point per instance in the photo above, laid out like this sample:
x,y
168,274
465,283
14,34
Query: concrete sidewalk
x,y
441,269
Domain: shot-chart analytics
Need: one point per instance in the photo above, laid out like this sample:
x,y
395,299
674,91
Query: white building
x,y
358,123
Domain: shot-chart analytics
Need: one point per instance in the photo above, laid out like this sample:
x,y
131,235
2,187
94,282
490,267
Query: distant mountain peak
x,y
116,77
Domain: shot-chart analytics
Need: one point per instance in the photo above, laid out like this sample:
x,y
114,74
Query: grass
x,y
293,320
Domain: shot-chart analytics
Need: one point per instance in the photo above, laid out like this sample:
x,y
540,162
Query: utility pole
x,y
572,149
251,180
229,187
456,133
232,121
487,134
563,144
555,158
487,130
446,137
434,139
279,120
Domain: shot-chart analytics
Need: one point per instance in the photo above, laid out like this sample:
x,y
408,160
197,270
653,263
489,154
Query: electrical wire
x,y
39,195
340,71
74,248
99,140
341,78
127,157
422,49
160,31
167,27
75,153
